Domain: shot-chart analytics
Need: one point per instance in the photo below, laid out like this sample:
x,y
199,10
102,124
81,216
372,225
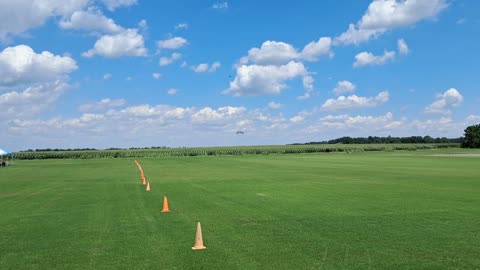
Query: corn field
x,y
219,151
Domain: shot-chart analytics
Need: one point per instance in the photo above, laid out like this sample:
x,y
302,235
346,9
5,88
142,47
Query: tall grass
x,y
219,151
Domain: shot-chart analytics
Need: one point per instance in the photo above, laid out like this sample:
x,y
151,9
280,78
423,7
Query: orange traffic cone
x,y
165,205
198,239
148,186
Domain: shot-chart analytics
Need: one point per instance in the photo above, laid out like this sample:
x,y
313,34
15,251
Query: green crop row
x,y
218,151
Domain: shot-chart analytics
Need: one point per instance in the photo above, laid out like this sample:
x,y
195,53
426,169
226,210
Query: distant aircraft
x,y
240,132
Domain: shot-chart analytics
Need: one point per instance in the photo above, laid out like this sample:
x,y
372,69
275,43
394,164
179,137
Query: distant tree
x,y
428,139
472,137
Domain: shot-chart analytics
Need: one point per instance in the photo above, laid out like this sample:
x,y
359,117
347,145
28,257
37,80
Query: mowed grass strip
x,y
332,211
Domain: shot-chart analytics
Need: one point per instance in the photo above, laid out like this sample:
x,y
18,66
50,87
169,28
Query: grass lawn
x,y
386,210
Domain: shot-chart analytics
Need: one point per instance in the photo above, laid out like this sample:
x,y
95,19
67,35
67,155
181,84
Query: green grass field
x,y
383,210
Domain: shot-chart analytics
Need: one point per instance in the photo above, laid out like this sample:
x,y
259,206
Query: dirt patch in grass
x,y
6,195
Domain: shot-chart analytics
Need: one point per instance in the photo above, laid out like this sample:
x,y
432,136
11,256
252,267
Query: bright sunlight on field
x,y
381,210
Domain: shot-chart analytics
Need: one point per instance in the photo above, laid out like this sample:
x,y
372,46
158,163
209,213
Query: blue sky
x,y
133,73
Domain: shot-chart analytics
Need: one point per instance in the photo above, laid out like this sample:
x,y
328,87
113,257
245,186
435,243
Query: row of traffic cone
x,y
142,176
198,245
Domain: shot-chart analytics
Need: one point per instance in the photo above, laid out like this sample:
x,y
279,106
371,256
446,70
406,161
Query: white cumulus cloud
x,y
19,16
268,79
402,47
181,26
346,121
344,87
383,15
274,105
126,43
172,91
271,53
209,115
114,4
369,59
204,67
21,65
280,53
164,61
272,59
358,125
102,104
297,119
200,68
355,102
307,82
445,102
221,5
32,100
214,66
314,50
92,20
473,119
172,43
143,24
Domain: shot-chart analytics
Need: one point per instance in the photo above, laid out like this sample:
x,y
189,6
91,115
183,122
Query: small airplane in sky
x,y
240,132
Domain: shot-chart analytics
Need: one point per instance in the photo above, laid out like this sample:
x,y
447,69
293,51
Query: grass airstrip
x,y
377,210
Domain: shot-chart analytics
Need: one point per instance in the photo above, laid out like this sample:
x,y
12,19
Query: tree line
x,y
388,140
471,139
